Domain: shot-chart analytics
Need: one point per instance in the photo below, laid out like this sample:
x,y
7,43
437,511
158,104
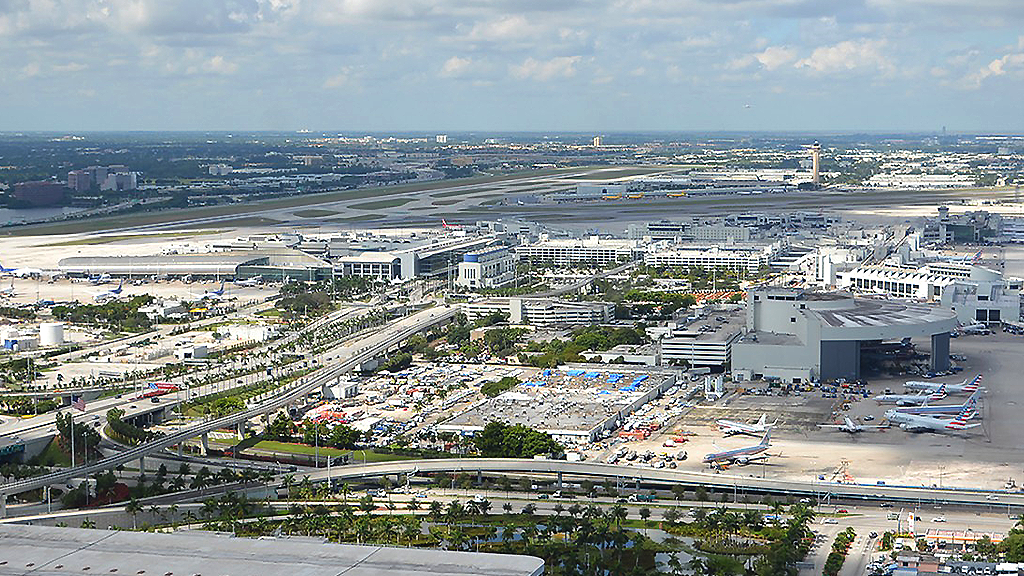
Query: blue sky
x,y
558,65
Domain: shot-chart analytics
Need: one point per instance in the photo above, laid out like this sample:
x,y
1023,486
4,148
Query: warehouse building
x,y
574,406
270,264
798,336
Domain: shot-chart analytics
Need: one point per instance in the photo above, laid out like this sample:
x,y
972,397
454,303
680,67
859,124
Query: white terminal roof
x,y
50,551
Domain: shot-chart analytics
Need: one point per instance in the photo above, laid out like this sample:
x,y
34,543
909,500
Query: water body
x,y
14,215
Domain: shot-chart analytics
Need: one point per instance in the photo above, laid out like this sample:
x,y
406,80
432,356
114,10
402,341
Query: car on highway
x,y
939,519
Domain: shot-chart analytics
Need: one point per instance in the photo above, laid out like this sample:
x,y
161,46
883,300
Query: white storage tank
x,y
51,334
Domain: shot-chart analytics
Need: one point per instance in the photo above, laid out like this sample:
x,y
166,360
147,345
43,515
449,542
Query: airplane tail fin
x,y
974,384
766,439
762,420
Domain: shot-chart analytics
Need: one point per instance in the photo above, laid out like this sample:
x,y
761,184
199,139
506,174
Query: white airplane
x,y
9,291
112,294
20,272
850,426
741,456
912,399
920,423
215,294
969,408
970,387
254,281
965,259
976,329
730,427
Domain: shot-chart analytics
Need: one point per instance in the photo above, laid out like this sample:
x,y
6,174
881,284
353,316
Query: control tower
x,y
816,166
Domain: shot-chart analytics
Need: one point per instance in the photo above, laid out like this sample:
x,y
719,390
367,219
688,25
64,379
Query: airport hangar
x,y
276,264
797,336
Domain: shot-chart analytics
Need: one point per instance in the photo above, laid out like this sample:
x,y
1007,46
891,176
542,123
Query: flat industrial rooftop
x,y
43,550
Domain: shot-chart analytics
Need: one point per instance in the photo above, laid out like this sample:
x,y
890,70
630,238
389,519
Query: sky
x,y
598,66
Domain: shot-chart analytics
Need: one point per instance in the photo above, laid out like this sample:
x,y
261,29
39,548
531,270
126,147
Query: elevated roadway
x,y
389,337
721,482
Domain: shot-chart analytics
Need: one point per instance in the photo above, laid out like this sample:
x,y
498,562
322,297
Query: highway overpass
x,y
391,336
665,476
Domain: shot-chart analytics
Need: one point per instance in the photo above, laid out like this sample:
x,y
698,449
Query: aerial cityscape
x,y
464,288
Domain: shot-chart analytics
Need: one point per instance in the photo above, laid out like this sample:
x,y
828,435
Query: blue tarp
x,y
592,375
614,378
547,372
639,379
574,372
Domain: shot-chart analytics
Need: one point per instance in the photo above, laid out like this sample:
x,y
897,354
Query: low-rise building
x,y
542,311
491,267
589,252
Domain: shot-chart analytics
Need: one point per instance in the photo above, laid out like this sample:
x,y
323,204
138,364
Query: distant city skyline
x,y
529,66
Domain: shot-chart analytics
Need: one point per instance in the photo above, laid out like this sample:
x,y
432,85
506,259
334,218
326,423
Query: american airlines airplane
x,y
966,386
730,427
849,426
969,408
918,423
741,455
912,399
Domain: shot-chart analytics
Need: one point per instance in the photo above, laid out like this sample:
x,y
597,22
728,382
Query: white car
x,y
939,519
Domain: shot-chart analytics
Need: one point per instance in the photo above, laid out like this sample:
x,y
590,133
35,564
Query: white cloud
x,y
218,65
998,67
775,56
502,29
456,66
561,66
339,80
848,55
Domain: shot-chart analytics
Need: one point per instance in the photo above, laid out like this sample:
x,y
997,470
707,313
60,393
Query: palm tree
x,y
346,489
413,505
133,507
645,515
507,507
558,508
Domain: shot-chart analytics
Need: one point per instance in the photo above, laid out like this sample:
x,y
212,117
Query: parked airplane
x,y
215,294
111,294
254,281
965,259
741,455
730,427
101,278
920,423
20,272
976,329
969,408
850,426
9,291
912,399
970,387
447,226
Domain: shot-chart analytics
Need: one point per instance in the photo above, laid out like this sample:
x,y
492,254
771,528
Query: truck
x,y
642,498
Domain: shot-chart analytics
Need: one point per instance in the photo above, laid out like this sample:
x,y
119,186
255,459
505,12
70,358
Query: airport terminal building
x,y
798,336
271,264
